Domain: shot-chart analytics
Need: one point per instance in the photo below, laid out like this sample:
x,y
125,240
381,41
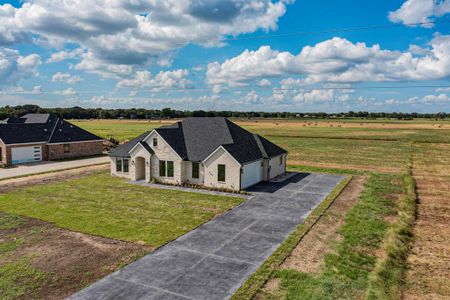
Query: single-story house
x,y
213,152
36,137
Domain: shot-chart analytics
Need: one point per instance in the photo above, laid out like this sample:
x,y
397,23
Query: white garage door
x,y
251,174
26,154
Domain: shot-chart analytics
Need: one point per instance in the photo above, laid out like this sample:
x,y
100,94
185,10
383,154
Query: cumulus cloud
x,y
37,89
264,82
217,89
134,32
67,92
337,61
66,77
14,67
162,81
315,96
441,98
420,11
64,55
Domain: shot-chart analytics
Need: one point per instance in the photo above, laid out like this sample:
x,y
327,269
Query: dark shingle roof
x,y
195,139
54,130
32,119
203,135
122,150
38,118
244,149
25,133
173,135
147,147
66,132
271,148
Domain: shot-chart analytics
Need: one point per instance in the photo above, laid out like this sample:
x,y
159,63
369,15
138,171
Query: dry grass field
x,y
366,148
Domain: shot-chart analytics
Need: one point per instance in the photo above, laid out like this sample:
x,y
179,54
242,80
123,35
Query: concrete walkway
x,y
188,189
48,166
214,260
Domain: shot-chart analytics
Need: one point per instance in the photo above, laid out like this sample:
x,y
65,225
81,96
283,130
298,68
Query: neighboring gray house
x,y
213,152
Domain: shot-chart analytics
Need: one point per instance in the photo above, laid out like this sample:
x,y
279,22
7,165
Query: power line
x,y
298,33
302,89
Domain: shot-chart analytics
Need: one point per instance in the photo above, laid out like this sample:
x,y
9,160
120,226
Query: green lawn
x,y
102,205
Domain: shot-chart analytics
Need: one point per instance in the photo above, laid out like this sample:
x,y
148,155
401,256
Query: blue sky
x,y
227,54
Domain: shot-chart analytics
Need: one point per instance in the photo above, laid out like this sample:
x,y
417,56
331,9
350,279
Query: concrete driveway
x,y
214,260
48,166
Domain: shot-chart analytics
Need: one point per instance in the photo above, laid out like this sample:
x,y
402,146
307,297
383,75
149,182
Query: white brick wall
x,y
275,167
232,173
164,152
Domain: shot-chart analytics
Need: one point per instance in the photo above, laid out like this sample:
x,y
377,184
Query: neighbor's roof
x,y
51,130
31,119
195,139
124,149
66,132
25,133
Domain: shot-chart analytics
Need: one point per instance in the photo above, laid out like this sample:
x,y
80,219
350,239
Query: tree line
x,y
168,113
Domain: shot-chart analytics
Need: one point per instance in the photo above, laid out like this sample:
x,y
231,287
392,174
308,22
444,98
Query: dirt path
x,y
428,276
10,184
308,255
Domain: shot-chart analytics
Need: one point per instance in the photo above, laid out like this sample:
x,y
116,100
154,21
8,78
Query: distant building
x,y
37,137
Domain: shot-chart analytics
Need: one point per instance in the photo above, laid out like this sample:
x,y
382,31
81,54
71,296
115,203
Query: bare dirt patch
x,y
11,184
308,255
428,276
69,260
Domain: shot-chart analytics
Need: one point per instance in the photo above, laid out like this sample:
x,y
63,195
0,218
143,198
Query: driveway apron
x,y
214,260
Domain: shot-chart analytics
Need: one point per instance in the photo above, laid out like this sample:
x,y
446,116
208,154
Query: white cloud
x,y
37,89
67,92
443,90
66,77
64,55
337,61
441,98
315,96
420,11
134,32
264,82
92,64
14,67
217,89
162,81
252,98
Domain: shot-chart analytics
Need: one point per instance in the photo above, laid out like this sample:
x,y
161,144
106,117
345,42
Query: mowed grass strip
x,y
346,269
102,205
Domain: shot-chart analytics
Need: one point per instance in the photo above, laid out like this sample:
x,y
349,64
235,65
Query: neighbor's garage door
x,y
251,174
26,154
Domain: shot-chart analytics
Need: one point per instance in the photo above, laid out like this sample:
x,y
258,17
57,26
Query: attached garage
x,y
251,174
26,154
